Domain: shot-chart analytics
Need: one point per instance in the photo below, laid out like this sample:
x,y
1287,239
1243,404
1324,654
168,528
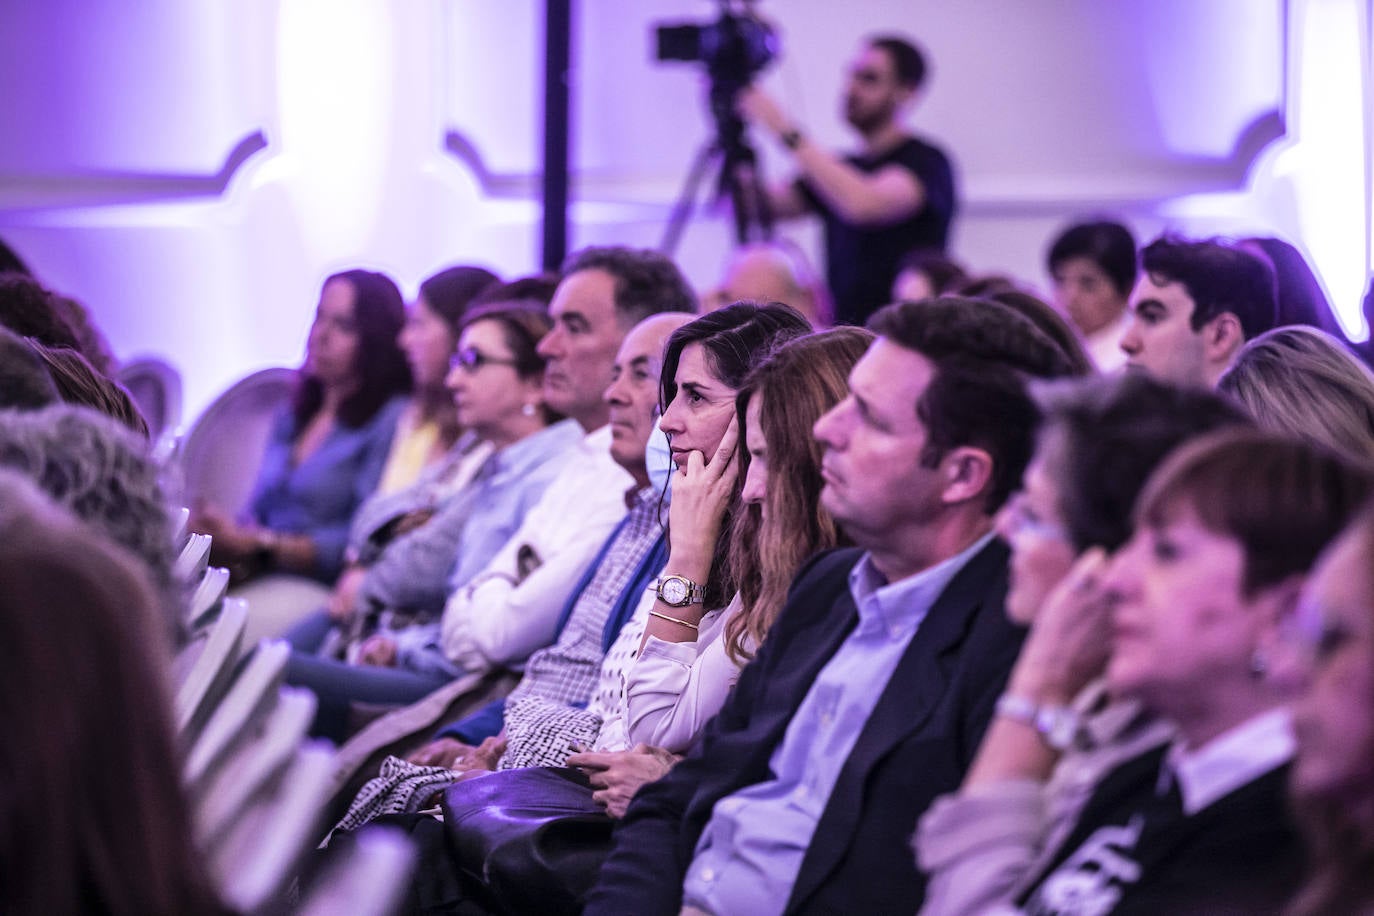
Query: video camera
x,y
734,48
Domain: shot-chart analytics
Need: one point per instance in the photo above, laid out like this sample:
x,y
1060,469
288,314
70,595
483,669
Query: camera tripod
x,y
739,177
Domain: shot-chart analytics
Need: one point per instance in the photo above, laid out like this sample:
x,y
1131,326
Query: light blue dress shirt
x,y
319,496
751,850
480,519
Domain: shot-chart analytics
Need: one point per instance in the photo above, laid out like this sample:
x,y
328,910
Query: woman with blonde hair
x,y
1304,382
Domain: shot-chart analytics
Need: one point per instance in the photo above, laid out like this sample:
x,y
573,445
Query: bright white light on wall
x,y
1330,118
335,72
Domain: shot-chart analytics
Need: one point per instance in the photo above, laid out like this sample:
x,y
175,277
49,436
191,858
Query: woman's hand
x,y
378,650
618,775
483,758
1070,640
443,752
344,597
702,492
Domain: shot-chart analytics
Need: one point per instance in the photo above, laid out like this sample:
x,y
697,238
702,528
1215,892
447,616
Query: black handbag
x,y
533,837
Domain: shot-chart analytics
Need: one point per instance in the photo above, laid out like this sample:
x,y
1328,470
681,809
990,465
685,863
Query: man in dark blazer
x,y
870,695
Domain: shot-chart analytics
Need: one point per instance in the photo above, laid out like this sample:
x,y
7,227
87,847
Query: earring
x,y
527,410
1259,664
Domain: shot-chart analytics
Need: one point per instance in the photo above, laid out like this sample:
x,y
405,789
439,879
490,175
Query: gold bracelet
x,y
679,622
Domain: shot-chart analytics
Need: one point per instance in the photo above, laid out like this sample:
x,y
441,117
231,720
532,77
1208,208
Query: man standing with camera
x,y
894,195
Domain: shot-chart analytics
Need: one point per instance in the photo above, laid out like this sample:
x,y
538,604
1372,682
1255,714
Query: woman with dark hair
x,y
1327,653
496,381
679,682
1093,266
92,815
428,427
1301,297
324,455
1098,443
704,364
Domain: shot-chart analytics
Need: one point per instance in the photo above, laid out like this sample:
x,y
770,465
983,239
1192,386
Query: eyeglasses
x,y
472,359
1022,519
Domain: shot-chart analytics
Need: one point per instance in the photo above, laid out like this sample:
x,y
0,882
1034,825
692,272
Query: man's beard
x,y
865,121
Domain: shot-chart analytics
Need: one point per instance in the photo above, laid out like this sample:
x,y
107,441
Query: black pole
x,y
557,63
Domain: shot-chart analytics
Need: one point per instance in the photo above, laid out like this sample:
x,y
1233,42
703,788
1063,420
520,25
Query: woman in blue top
x,y
325,454
497,384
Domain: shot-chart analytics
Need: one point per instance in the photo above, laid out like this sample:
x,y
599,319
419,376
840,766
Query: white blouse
x,y
674,688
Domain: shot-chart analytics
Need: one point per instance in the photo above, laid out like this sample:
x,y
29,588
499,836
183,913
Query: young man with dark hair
x,y
871,693
896,194
1196,305
1093,268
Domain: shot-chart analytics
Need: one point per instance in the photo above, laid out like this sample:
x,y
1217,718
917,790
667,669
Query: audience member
x,y
92,343
1225,531
1303,382
512,610
93,817
897,193
1328,654
906,644
25,383
925,274
10,262
383,517
497,382
1051,324
325,454
78,382
102,473
1301,299
1196,305
775,271
1097,445
29,310
1093,266
428,426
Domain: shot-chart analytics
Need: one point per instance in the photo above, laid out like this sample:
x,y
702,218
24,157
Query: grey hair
x,y
104,475
1304,382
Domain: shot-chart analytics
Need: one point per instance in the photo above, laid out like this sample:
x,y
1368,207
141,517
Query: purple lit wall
x,y
192,170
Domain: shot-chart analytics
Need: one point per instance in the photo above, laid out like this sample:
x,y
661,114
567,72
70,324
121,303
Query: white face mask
x,y
658,459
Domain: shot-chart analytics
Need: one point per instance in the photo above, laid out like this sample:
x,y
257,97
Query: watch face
x,y
673,591
1060,728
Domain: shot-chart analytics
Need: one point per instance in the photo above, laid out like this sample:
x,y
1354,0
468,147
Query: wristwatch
x,y
1058,726
679,591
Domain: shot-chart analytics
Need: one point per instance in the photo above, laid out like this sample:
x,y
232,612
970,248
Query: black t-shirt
x,y
861,263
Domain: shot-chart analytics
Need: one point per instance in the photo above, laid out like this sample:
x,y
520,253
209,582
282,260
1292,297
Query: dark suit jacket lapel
x,y
911,696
